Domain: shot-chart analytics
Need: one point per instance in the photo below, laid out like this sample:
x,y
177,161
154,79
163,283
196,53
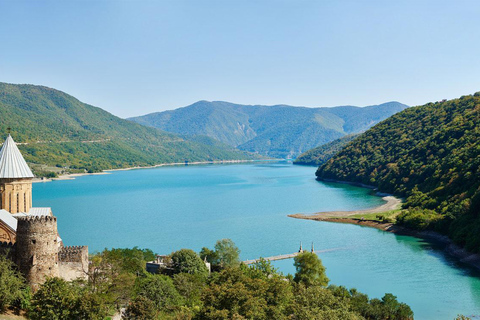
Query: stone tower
x,y
15,179
37,248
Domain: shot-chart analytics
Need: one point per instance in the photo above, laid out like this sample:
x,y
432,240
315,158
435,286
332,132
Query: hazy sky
x,y
137,57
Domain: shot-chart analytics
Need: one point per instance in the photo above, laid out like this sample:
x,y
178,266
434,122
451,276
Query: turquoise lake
x,y
169,208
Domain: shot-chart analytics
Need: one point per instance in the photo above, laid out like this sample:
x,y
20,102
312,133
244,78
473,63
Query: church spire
x,y
15,179
12,163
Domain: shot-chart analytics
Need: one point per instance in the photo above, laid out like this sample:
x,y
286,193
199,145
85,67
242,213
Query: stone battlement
x,y
6,246
73,262
37,219
8,249
73,253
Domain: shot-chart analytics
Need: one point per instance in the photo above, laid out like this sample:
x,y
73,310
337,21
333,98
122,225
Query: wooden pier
x,y
287,256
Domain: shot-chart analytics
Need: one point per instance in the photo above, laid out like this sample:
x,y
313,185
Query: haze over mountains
x,y
278,131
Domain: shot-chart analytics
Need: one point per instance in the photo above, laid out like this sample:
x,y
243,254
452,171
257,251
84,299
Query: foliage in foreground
x,y
431,156
13,290
118,280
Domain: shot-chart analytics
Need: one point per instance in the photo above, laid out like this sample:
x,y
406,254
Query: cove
x,y
169,208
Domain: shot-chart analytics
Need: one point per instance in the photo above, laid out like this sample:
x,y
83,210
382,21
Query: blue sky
x,y
137,57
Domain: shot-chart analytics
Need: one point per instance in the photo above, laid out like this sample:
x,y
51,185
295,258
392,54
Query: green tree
x,y
140,308
113,278
12,284
187,261
160,290
395,310
262,269
310,270
89,305
240,293
57,299
54,300
190,287
209,255
231,294
227,253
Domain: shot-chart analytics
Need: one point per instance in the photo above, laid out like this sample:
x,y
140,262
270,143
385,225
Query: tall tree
x,y
310,270
227,253
187,261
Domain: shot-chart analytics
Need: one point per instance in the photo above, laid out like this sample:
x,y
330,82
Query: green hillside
x,y
58,130
429,154
276,131
319,155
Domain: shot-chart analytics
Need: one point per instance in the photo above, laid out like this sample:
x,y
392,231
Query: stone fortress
x,y
29,235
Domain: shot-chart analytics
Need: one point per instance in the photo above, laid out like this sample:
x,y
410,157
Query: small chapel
x,y
29,235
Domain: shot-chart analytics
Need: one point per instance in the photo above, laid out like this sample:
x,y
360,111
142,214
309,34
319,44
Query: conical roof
x,y
12,164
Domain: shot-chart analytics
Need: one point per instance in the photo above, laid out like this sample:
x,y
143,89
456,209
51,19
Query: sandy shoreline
x,y
391,203
72,176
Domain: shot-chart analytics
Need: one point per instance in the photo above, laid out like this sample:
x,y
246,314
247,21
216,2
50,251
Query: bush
x,y
12,284
187,261
418,219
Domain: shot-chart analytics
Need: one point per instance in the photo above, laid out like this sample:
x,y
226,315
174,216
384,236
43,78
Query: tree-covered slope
x,y
319,155
276,131
429,154
57,129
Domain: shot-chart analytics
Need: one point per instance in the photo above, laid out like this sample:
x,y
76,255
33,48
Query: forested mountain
x,y
57,129
429,154
276,131
319,155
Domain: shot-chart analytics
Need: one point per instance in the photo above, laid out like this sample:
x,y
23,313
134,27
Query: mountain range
x,y
55,129
278,131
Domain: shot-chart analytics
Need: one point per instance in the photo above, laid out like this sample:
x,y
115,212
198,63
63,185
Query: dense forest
x,y
428,154
185,289
278,131
319,155
56,129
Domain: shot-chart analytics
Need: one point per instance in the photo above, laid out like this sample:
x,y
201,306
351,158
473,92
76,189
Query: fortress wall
x,y
73,262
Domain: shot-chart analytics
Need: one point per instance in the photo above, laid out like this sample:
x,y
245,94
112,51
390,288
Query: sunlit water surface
x,y
170,208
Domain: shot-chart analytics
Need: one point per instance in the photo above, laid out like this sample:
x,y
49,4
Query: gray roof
x,y
40,212
12,164
9,220
35,212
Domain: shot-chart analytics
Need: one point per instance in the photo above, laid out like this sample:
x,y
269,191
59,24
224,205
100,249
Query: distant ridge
x,y
319,155
57,130
276,131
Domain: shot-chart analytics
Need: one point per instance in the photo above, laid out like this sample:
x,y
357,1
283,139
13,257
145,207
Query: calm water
x,y
170,208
